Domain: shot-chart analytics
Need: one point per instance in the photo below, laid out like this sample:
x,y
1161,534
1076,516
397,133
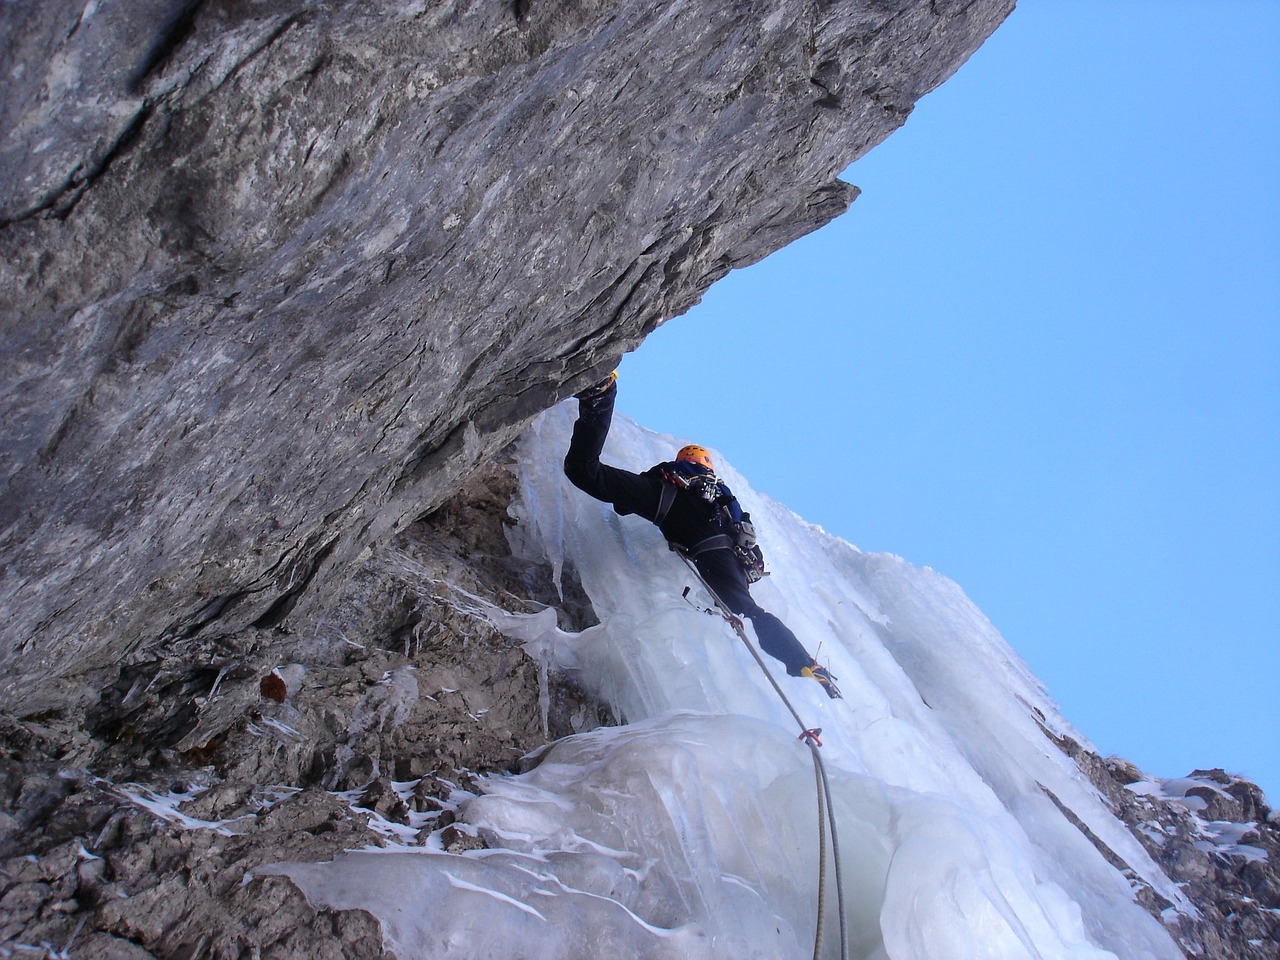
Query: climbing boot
x,y
820,673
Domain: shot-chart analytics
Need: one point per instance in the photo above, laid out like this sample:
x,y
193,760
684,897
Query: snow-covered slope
x,y
691,831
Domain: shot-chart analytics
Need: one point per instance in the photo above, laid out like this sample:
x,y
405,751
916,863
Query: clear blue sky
x,y
1041,354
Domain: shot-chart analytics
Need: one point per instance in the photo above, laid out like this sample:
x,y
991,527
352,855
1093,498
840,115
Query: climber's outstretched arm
x,y
628,492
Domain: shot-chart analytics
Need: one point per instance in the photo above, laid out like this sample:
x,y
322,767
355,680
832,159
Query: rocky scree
x,y
134,832
1214,835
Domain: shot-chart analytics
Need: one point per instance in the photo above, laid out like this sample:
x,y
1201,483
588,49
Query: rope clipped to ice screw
x,y
810,737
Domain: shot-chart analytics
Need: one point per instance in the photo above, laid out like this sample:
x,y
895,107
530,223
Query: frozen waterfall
x,y
691,831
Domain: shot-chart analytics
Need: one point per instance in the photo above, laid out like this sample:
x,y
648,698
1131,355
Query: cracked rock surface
x,y
278,275
141,830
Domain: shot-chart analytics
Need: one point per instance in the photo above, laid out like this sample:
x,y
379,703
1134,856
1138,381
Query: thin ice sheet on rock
x,y
691,833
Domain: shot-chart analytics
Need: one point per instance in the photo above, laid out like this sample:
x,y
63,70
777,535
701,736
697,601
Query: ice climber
x,y
696,512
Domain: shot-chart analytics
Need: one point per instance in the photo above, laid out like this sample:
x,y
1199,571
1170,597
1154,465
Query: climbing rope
x,y
822,861
811,738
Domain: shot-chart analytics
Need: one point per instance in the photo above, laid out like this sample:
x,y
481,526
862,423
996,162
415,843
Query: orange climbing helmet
x,y
696,454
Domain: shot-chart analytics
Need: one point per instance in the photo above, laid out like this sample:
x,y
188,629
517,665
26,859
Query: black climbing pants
x,y
723,573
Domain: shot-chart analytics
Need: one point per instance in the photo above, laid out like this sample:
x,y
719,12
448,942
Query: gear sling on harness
x,y
719,541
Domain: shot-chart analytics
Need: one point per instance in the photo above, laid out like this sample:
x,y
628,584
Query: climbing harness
x,y
810,737
740,537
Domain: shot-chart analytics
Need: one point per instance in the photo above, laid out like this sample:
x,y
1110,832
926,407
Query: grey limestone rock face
x,y
278,274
